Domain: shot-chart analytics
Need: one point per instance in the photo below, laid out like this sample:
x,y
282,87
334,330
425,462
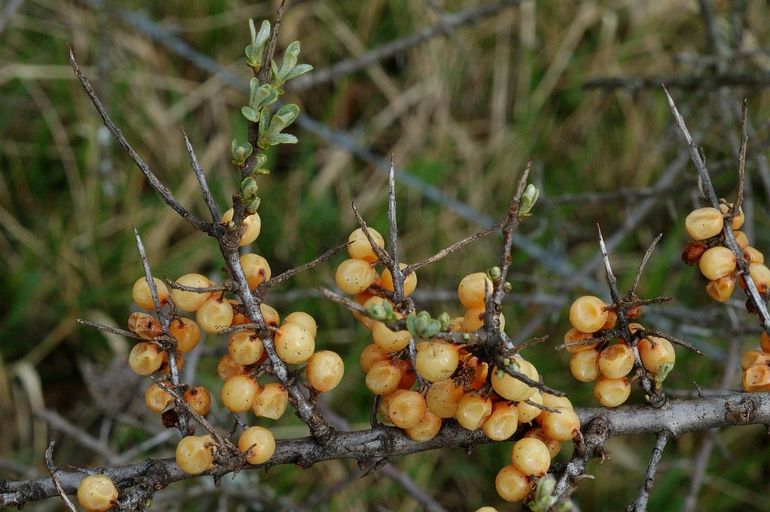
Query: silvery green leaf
x,y
283,118
250,114
299,69
263,35
282,138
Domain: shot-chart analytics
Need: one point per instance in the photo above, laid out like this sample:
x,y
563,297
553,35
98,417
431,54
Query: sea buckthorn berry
x,y
406,408
486,509
145,358
271,401
764,342
191,301
554,446
238,392
359,247
214,315
390,341
97,492
741,239
587,314
410,281
738,220
199,400
561,426
722,289
227,367
556,402
611,392
756,378
164,366
760,274
753,255
142,296
371,354
383,407
473,290
754,358
255,268
612,319
576,341
692,252
503,421
531,456
156,398
144,325
512,485
443,398
584,365
303,320
480,373
473,410
437,360
324,370
245,347
294,344
370,302
186,332
512,388
717,262
528,412
258,444
253,225
474,319
383,377
239,313
194,454
616,361
408,375
654,357
354,276
704,223
270,315
426,429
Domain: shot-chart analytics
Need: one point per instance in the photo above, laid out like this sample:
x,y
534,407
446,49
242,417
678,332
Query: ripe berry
x,y
704,223
186,332
198,399
528,412
97,492
227,367
561,426
576,341
383,377
756,378
145,358
410,281
245,347
654,357
214,315
584,365
612,392
255,268
303,320
359,247
354,276
437,360
486,509
270,315
741,239
760,274
258,444
503,421
253,226
389,341
443,398
142,296
474,319
426,429
753,255
717,262
271,401
408,375
616,361
368,303
191,301
238,392
294,344
722,289
406,408
754,358
556,402
473,410
324,370
473,290
738,220
156,398
512,485
371,354
531,456
764,342
194,454
554,447
587,314
144,325
512,388
692,252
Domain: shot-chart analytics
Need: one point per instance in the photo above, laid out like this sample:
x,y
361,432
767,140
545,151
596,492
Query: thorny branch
x,y
640,504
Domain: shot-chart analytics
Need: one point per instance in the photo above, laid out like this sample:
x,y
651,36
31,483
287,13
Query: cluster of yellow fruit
x,y
294,342
756,367
716,262
606,363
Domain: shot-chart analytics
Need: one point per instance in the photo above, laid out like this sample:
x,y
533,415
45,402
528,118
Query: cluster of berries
x,y
718,263
756,367
598,355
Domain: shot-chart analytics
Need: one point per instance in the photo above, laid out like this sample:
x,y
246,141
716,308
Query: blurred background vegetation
x,y
461,113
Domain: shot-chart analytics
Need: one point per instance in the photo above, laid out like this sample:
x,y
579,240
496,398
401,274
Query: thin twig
x,y
280,278
110,329
451,249
640,504
202,183
379,251
647,254
394,265
52,470
736,208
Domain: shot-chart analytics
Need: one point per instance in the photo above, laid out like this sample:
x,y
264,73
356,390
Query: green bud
x,y
528,200
249,188
240,152
253,206
494,273
507,287
466,336
382,311
445,320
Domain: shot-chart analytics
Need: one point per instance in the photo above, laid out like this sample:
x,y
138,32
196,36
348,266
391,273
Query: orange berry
x,y
294,344
253,225
503,421
408,375
561,426
256,269
753,255
214,315
584,365
473,410
191,301
764,342
97,493
473,290
587,314
721,289
437,360
227,367
554,447
512,485
704,223
426,429
359,247
754,358
142,295
717,262
760,274
258,444
324,370
156,398
199,400
654,357
354,276
145,358
443,398
410,281
576,341
611,392
271,401
238,392
186,332
383,377
741,239
528,412
406,408
194,454
531,456
738,220
616,361
756,378
512,388
389,341
270,315
371,354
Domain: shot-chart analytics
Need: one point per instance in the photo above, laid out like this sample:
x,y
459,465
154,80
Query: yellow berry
x,y
756,378
704,223
437,360
512,485
253,226
245,347
410,281
585,365
473,410
142,295
576,341
227,367
443,398
653,357
186,332
587,314
354,276
194,454
198,399
145,358
426,429
371,354
753,254
760,274
271,401
238,392
512,388
156,398
255,268
324,370
214,315
383,377
531,456
717,262
556,402
294,344
611,392
270,315
303,320
474,319
721,289
191,301
389,341
406,408
473,289
258,444
741,239
738,220
528,412
616,361
503,421
554,446
561,426
359,247
97,492
754,358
